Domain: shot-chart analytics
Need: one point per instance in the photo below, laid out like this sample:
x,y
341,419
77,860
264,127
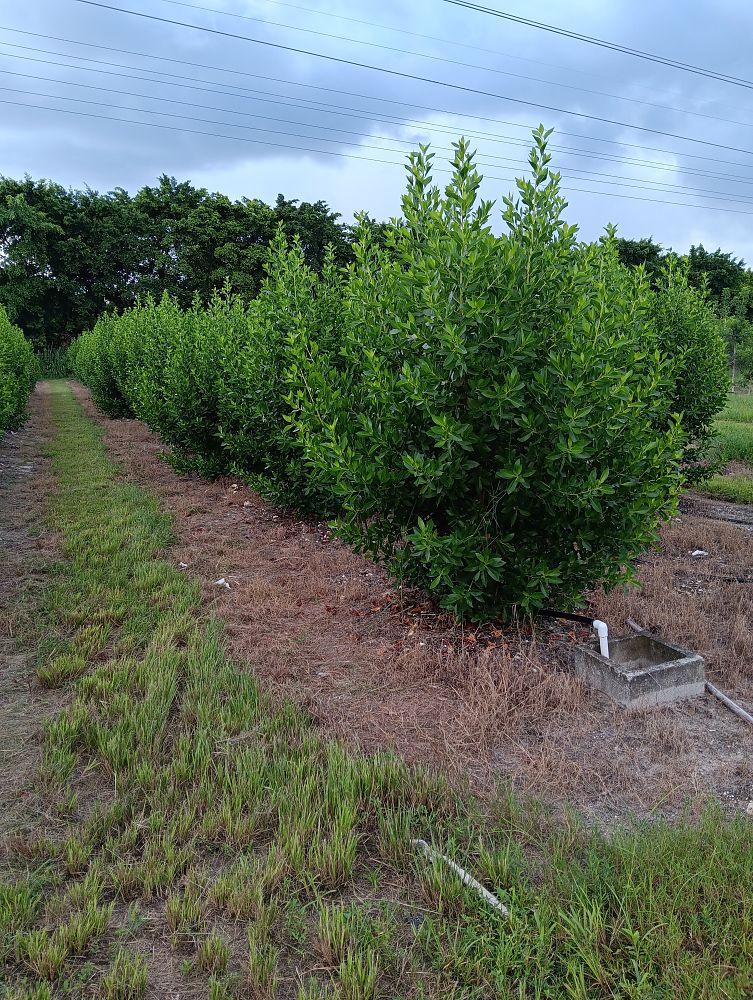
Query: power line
x,y
455,62
402,31
332,90
289,102
591,175
208,121
324,151
407,76
339,110
355,156
602,43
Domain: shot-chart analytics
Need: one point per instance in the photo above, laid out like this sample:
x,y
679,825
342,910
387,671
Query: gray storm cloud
x,y
251,119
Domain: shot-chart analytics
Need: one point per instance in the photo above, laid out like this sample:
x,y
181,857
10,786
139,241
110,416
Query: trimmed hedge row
x,y
19,371
491,416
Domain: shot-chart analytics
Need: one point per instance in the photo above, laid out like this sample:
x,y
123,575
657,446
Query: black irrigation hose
x,y
567,615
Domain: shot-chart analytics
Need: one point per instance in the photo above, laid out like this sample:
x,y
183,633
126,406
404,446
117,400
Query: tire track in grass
x,y
25,556
218,846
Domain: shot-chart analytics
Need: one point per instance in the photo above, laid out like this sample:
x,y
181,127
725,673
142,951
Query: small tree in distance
x,y
688,332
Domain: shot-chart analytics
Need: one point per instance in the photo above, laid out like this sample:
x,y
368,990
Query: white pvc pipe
x,y
465,876
603,633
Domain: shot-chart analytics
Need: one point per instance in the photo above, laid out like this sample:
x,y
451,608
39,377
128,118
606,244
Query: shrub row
x,y
493,416
19,371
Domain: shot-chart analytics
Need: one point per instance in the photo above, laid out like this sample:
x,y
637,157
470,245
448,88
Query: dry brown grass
x,y
379,669
692,600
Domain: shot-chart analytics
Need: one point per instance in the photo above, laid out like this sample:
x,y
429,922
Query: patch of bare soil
x,y
378,669
25,553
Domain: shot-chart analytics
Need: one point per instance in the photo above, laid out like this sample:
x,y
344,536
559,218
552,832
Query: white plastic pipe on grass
x,y
465,876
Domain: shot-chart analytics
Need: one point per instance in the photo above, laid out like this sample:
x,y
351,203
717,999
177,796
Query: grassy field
x,y
734,444
215,845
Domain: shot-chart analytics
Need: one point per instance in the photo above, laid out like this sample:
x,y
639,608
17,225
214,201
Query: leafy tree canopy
x,y
636,252
720,275
721,270
67,256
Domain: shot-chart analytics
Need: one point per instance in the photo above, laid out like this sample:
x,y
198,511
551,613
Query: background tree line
x,y
67,256
728,285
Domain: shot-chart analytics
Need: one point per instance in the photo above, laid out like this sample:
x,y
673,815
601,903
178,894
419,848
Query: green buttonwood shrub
x,y
19,371
162,364
92,359
497,424
176,383
687,330
213,381
296,308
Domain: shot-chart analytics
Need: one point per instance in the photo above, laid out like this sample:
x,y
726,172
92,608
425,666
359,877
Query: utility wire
x,y
591,175
287,101
354,156
603,43
286,133
455,62
333,90
343,111
405,75
402,31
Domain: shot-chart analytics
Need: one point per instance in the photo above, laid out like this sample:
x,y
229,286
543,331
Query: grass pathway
x,y
211,844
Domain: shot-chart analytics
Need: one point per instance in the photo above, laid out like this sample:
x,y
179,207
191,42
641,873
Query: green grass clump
x,y
735,489
231,809
127,979
739,408
734,441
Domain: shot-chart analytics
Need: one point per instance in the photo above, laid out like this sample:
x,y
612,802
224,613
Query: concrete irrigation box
x,y
642,671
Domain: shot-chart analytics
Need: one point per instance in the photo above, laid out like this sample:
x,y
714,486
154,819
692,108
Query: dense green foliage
x,y
689,334
496,424
717,272
723,281
19,371
68,256
642,253
213,381
492,416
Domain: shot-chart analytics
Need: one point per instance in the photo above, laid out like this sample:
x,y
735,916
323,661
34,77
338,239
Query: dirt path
x,y
25,555
325,627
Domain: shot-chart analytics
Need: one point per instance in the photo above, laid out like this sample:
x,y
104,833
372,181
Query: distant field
x,y
735,444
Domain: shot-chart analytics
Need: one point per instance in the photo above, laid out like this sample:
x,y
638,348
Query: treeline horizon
x,y
67,256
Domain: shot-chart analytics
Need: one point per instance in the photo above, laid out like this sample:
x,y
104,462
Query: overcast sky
x,y
357,124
